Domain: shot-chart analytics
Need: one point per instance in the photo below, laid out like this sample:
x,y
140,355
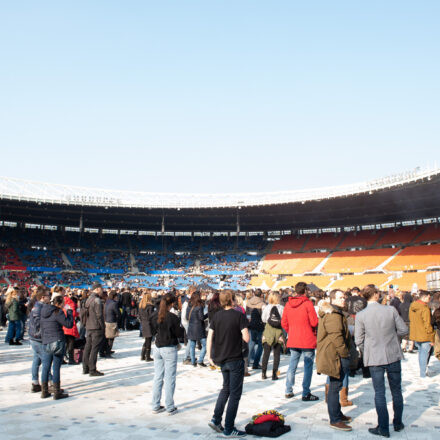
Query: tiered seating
x,y
293,263
319,281
416,257
357,261
9,258
364,239
350,281
290,243
406,282
262,281
41,258
323,241
431,233
400,236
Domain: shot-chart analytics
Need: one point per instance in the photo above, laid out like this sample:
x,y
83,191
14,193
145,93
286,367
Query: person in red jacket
x,y
300,321
71,333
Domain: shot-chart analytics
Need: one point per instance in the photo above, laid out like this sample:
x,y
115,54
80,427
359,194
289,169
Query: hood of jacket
x,y
296,301
325,308
47,310
407,298
418,306
255,302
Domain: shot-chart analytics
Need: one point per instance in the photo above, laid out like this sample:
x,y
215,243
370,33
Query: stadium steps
x,y
414,240
340,241
305,243
382,265
379,237
66,260
319,267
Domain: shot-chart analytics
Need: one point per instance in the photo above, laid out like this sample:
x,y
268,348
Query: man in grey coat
x,y
94,321
377,331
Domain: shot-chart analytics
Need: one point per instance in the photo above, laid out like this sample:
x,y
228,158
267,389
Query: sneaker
x,y
217,427
96,373
235,433
341,426
173,411
310,398
187,362
399,427
346,419
194,364
257,367
201,364
378,431
289,395
158,410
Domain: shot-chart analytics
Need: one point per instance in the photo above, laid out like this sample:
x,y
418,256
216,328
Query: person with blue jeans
x,y
300,320
227,329
14,316
196,328
377,331
421,330
254,308
165,355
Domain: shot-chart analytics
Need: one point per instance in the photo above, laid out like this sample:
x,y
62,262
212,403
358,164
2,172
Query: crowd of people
x,y
359,331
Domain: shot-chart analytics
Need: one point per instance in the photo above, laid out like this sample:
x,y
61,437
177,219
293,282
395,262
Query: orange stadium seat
x,y
365,239
416,257
401,236
357,261
431,233
319,281
292,263
323,241
406,282
262,281
350,281
289,243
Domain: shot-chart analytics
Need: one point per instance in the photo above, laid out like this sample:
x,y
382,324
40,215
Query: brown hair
x,y
369,291
196,300
225,298
300,288
165,305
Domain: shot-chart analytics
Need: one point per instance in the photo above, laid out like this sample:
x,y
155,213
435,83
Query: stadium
x,y
381,232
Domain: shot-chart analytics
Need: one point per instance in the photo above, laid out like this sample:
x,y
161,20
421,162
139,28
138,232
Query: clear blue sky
x,y
218,96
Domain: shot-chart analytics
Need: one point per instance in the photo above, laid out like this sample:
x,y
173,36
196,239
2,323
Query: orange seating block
x,y
360,239
416,257
292,263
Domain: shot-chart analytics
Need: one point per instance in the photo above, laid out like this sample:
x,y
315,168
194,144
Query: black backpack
x,y
274,318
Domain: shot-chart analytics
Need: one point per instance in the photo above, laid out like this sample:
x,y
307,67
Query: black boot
x,y
263,374
52,388
36,388
148,357
274,376
143,353
45,390
58,392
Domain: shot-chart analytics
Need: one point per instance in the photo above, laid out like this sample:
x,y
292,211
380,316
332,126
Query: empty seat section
x,y
400,236
293,263
350,281
323,241
357,261
407,281
365,239
319,281
262,282
416,257
431,233
289,243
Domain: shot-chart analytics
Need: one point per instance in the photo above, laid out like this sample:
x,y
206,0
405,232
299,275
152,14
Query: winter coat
x,y
111,311
420,328
70,303
34,322
95,313
333,341
14,310
271,335
404,307
300,320
52,322
145,316
254,309
196,323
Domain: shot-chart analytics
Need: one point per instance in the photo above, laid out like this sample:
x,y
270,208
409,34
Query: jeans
x,y
22,328
394,374
48,360
335,386
192,345
14,330
424,349
309,356
93,344
233,374
38,351
165,368
255,345
344,380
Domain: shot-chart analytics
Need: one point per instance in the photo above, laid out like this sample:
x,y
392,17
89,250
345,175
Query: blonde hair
x,y
146,299
239,300
274,298
10,294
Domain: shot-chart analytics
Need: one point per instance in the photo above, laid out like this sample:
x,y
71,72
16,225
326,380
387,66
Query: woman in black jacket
x,y
54,344
111,318
196,328
407,345
146,312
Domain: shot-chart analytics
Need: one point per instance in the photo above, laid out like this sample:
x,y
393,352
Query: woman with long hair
x,y
14,316
196,328
111,318
165,351
146,311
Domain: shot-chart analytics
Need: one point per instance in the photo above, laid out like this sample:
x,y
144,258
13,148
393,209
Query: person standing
x,y
300,320
421,330
146,313
227,329
70,333
254,309
111,315
377,332
196,328
93,315
333,355
165,351
14,317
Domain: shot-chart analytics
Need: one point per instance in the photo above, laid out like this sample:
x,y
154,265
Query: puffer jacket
x,y
52,322
34,322
95,313
14,310
300,321
70,303
333,341
420,327
196,323
404,307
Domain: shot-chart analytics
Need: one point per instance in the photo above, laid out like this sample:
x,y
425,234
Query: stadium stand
x,y
292,263
401,236
323,241
360,239
407,280
290,243
350,281
416,258
430,234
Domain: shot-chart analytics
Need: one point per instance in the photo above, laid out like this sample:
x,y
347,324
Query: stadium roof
x,y
406,197
25,190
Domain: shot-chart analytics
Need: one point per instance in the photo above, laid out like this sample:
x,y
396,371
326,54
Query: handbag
x,y
56,348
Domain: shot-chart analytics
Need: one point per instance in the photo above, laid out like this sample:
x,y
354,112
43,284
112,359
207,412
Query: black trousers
x,y
93,344
70,345
276,356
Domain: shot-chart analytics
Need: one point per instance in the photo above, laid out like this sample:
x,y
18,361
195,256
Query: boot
x,y
36,388
45,390
274,376
52,388
343,397
143,353
263,374
326,392
148,357
58,392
